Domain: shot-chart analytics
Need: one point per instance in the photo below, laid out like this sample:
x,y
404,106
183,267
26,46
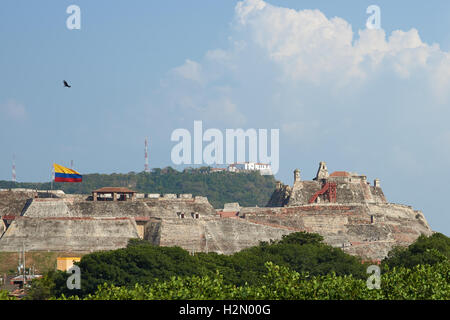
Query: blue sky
x,y
369,101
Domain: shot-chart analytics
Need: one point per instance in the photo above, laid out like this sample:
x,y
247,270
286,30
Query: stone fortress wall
x,y
357,219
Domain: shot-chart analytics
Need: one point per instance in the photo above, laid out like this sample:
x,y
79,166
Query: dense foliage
x,y
299,266
425,250
249,189
4,295
419,283
143,263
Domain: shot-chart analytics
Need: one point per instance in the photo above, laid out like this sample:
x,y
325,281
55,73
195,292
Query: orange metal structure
x,y
329,189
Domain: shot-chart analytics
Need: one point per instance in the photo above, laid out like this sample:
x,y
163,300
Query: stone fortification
x,y
367,230
12,202
212,233
68,234
343,207
75,224
2,226
350,188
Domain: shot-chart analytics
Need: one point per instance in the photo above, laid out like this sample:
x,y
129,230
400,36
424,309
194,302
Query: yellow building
x,y
65,263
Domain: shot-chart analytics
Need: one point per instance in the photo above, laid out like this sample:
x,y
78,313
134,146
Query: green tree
x,y
53,283
142,263
4,295
301,238
425,250
281,283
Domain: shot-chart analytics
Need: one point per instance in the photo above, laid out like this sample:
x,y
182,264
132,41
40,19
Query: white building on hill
x,y
263,168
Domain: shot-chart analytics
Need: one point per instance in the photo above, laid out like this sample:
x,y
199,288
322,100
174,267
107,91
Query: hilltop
x,y
250,189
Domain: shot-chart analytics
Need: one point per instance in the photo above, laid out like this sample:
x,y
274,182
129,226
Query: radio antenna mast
x,y
146,169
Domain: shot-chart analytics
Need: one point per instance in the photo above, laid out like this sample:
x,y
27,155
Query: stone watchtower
x,y
376,183
322,173
296,176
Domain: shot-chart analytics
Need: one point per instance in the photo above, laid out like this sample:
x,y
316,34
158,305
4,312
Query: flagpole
x,y
53,176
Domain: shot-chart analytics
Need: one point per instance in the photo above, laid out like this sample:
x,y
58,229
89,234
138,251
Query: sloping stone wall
x,y
221,235
12,202
2,227
68,234
353,227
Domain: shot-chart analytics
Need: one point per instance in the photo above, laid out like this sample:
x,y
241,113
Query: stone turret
x,y
322,173
296,176
376,183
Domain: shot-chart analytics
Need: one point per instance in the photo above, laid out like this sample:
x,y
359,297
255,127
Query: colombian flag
x,y
63,174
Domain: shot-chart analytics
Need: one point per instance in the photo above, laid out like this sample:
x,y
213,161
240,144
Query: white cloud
x,y
306,47
12,109
309,47
190,70
319,81
225,109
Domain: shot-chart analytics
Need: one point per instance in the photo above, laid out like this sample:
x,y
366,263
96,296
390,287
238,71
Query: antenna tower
x,y
14,169
146,156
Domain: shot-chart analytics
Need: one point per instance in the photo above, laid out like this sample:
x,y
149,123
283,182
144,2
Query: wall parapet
x,y
171,196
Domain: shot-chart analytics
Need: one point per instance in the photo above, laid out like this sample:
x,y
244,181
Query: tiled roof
x,y
340,174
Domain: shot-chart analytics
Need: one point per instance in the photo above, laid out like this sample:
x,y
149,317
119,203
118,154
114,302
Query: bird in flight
x,y
66,85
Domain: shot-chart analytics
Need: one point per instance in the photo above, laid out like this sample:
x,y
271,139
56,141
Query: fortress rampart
x,y
346,210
